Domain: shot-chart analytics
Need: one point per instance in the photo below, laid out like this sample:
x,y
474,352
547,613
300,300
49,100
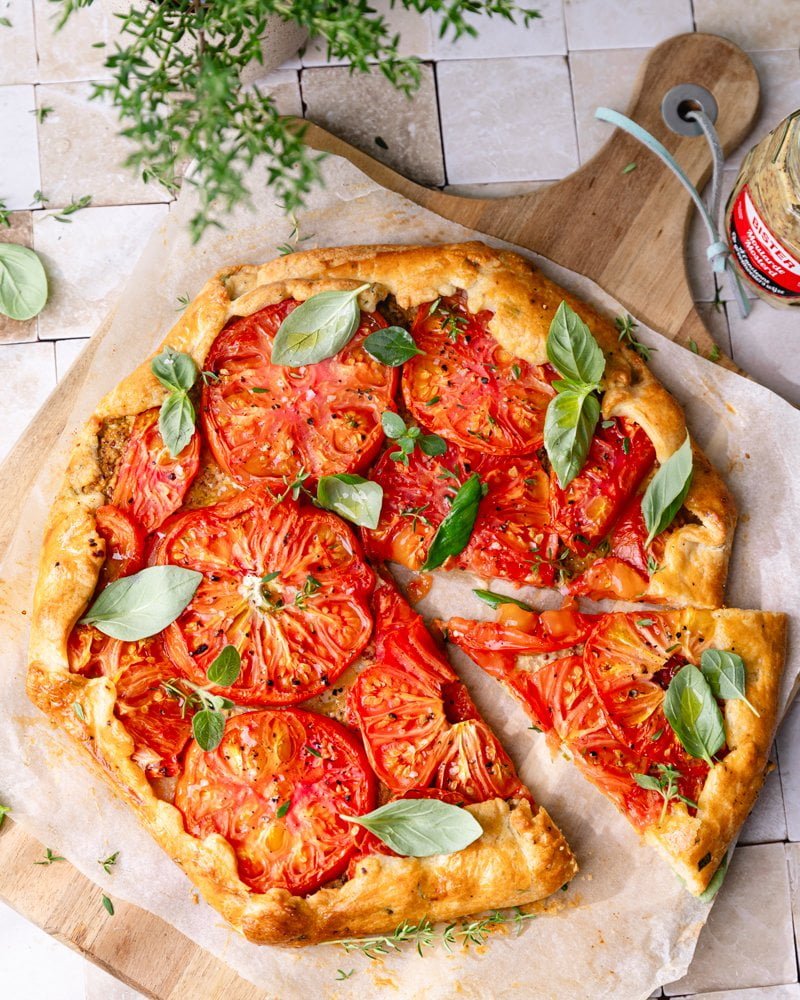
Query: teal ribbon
x,y
718,251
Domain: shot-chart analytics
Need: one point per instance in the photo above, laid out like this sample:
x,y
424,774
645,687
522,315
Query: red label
x,y
763,258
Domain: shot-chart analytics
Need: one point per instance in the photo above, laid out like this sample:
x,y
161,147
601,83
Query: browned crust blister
x,y
521,857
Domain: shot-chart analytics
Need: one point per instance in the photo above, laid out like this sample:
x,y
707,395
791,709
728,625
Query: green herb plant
x,y
665,782
407,437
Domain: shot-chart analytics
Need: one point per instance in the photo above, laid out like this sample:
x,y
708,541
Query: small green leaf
x,y
283,809
174,370
109,862
453,534
317,329
4,811
109,906
208,728
629,168
225,669
391,346
393,424
419,828
569,424
77,708
726,675
667,490
356,499
647,781
717,879
494,600
516,371
432,445
142,604
269,577
693,713
23,282
572,350
176,421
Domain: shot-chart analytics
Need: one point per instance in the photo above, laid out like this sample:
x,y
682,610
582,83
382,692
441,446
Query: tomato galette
x,y
215,621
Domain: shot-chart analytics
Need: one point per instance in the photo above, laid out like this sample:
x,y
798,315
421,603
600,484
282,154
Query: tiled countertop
x,y
506,112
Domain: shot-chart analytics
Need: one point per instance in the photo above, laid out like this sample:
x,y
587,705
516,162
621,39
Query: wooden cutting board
x,y
626,231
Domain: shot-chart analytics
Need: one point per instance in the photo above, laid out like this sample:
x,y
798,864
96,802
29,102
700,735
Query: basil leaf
x,y
393,424
568,428
432,445
419,828
176,422
453,534
495,600
693,713
647,781
726,675
667,490
572,350
717,879
225,669
208,728
174,370
23,282
356,499
317,329
138,606
391,346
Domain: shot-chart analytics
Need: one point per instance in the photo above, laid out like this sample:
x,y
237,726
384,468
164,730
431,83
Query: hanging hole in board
x,y
682,99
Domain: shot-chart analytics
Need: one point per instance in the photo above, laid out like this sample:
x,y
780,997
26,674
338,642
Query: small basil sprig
x,y
177,372
208,722
726,676
419,828
225,668
352,497
573,412
666,784
317,329
453,534
392,346
23,282
667,490
407,437
142,604
495,600
692,711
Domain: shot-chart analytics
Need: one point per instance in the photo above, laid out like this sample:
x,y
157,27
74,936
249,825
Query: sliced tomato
x,y
472,764
151,484
276,789
468,388
510,539
620,456
124,540
296,631
265,421
138,669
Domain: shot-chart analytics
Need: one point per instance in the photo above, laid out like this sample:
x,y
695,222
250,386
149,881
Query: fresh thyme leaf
x,y
283,809
433,400
63,214
726,675
626,325
453,534
269,577
495,600
49,858
225,668
516,371
341,974
665,782
629,168
644,622
667,490
391,346
693,347
693,714
313,751
43,113
4,811
352,497
108,905
317,329
142,604
652,566
77,708
109,862
183,302
714,354
420,828
23,282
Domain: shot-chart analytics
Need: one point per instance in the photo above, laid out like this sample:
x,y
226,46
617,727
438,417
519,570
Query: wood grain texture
x,y
625,231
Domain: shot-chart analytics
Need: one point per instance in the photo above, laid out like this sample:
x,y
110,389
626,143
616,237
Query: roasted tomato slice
x,y
620,456
275,789
124,540
138,669
468,388
151,484
472,764
264,421
282,582
510,539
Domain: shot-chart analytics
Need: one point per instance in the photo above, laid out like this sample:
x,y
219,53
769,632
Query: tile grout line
x,y
435,72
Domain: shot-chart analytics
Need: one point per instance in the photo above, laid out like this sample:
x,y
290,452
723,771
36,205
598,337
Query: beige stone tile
x,y
365,107
788,992
415,30
793,862
601,78
498,37
748,939
69,54
283,86
789,754
66,352
28,375
19,173
611,24
517,125
82,153
767,822
88,261
14,331
17,43
763,345
765,24
779,73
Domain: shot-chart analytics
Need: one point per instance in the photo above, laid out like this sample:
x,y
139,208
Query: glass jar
x,y
763,216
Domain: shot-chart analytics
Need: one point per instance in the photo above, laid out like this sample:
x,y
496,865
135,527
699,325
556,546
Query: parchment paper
x,y
625,925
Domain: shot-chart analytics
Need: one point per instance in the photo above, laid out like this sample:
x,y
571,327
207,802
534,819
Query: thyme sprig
x,y
626,326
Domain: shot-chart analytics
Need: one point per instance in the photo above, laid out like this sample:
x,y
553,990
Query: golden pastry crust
x,y
695,845
521,857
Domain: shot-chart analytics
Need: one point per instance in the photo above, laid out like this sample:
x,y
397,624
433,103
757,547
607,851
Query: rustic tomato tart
x,y
216,625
